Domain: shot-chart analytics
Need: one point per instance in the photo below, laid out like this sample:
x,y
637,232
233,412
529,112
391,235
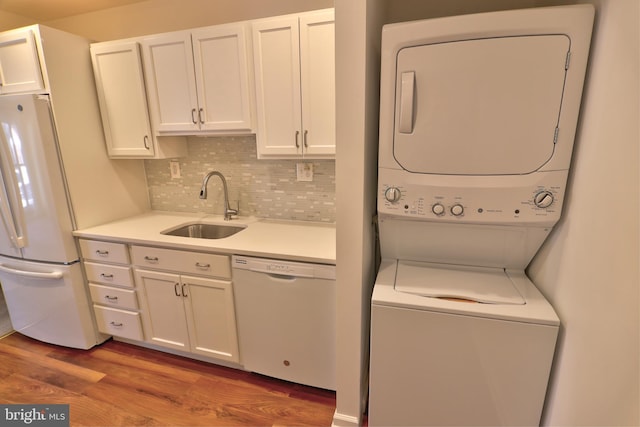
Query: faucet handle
x,y
231,212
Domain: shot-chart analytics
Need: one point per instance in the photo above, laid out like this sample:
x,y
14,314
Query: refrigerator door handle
x,y
12,190
31,274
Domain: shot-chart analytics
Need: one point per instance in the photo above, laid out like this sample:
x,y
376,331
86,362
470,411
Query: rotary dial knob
x,y
392,194
437,209
457,210
543,199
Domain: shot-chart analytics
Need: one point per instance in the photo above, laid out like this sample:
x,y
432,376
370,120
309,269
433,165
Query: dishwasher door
x,y
286,319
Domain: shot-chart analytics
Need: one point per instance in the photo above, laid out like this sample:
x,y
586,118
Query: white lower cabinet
x,y
184,312
175,299
119,323
112,290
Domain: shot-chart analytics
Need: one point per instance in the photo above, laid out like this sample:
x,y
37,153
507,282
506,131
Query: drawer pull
x,y
117,325
184,294
106,276
151,258
102,253
203,266
110,298
176,289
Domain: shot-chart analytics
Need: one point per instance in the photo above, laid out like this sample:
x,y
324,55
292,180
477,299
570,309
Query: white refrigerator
x,y
40,270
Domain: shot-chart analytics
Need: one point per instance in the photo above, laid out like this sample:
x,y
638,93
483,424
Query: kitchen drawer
x,y
182,261
104,251
121,298
109,274
121,323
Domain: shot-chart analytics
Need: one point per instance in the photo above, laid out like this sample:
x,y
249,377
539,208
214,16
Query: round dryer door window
x,y
479,107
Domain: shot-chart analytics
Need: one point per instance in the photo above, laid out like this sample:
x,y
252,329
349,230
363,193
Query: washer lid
x,y
474,284
479,107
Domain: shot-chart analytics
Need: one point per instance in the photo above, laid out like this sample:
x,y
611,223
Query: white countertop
x,y
290,240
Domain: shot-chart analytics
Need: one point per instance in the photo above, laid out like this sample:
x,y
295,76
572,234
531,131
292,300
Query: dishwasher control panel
x,y
284,268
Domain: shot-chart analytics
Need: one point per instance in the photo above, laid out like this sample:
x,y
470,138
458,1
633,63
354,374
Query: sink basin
x,y
204,231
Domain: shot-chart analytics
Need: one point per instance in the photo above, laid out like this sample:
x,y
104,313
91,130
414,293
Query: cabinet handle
x,y
200,111
146,141
304,138
193,116
203,266
151,258
176,289
109,298
117,325
297,135
102,253
106,276
184,294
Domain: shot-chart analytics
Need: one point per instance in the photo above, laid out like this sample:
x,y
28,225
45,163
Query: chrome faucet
x,y
228,212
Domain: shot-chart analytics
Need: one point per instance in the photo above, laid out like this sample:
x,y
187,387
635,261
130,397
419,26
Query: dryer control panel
x,y
529,199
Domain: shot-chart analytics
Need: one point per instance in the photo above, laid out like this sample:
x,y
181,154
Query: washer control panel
x,y
518,199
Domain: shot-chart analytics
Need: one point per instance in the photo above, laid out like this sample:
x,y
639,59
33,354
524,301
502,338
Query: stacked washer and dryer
x,y
478,115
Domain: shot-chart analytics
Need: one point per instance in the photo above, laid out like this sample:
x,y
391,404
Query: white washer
x,y
477,121
441,361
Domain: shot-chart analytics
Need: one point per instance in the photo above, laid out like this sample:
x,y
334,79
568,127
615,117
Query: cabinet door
x,y
222,76
19,64
163,309
317,63
277,73
123,104
211,318
168,61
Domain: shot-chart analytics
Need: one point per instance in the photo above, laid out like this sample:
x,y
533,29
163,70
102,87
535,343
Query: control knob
x,y
437,209
457,210
543,199
392,194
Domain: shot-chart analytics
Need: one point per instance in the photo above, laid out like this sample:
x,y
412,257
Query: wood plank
x,y
83,410
122,384
255,403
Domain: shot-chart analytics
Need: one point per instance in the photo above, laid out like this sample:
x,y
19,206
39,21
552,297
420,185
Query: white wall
x,y
157,16
588,268
358,25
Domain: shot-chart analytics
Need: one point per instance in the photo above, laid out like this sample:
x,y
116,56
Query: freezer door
x,y
34,199
49,303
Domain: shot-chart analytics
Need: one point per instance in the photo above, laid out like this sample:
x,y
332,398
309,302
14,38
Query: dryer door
x,y
479,107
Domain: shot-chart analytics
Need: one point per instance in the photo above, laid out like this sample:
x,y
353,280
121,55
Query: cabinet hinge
x,y
567,61
555,135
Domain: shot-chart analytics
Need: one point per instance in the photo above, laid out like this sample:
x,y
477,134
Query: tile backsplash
x,y
261,188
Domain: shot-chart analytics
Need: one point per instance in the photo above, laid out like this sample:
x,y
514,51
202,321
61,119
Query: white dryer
x,y
477,121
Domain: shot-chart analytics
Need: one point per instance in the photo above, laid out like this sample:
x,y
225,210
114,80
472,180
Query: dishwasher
x,y
286,314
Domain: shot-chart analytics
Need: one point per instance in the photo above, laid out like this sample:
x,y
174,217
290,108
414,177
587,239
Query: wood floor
x,y
117,384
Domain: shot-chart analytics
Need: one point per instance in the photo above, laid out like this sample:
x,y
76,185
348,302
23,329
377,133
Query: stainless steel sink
x,y
204,231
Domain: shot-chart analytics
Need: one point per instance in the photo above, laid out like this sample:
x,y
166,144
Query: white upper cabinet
x,y
123,104
19,63
317,80
199,81
294,57
223,78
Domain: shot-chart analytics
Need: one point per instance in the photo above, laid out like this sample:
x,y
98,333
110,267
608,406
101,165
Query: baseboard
x,y
6,334
342,420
